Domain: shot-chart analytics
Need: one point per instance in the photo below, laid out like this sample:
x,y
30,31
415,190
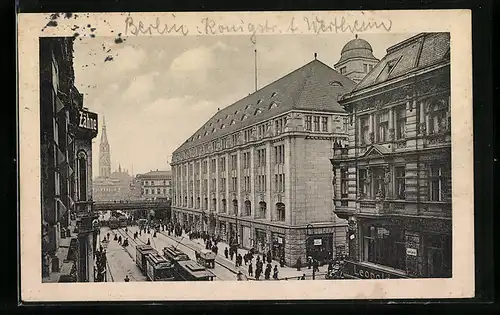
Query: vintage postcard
x,y
265,155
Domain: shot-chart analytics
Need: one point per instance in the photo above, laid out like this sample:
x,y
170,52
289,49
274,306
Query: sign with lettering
x,y
352,236
411,251
280,240
317,241
363,271
87,120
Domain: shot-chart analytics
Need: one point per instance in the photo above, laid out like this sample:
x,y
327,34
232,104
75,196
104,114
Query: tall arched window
x,y
248,208
262,210
82,176
280,211
235,206
224,206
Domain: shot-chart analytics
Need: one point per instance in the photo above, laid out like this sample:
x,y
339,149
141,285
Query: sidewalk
x,y
285,273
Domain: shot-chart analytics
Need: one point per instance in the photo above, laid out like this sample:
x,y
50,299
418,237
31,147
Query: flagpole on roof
x,y
255,63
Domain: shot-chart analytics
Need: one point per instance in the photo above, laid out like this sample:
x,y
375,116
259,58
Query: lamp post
x,y
309,228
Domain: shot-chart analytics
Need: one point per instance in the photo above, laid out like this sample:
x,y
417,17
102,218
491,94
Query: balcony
x,y
405,207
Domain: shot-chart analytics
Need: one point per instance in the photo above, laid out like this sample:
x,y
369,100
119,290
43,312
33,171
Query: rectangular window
x,y
365,130
378,182
399,173
362,189
383,127
343,183
343,70
400,122
365,68
275,182
324,124
234,161
316,123
308,123
371,67
435,183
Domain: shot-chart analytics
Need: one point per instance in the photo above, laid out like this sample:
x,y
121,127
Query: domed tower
x,y
356,59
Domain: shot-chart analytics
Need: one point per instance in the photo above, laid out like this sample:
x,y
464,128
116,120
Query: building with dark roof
x,y
155,185
356,59
393,180
257,173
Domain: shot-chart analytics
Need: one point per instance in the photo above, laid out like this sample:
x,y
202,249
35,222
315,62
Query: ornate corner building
x,y
258,172
67,130
392,181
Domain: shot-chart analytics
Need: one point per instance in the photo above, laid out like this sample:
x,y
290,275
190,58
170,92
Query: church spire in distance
x,y
104,153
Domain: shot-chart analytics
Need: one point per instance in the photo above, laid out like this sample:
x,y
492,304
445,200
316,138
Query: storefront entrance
x,y
260,241
246,238
320,247
222,231
278,248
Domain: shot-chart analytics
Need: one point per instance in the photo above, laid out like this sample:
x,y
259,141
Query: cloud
x,y
199,59
140,87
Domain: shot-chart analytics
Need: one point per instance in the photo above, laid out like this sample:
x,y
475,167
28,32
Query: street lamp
x,y
309,228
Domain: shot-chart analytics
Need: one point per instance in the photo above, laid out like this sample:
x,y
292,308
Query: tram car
x,y
158,268
122,221
174,254
141,253
205,257
113,223
190,270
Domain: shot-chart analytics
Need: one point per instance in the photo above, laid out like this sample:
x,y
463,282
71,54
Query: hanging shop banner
x,y
318,241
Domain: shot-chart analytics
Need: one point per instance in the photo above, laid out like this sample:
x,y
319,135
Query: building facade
x,y
155,185
257,173
392,182
67,130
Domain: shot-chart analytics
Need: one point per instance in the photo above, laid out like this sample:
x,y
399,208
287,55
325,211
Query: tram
x,y
174,254
141,253
158,268
190,270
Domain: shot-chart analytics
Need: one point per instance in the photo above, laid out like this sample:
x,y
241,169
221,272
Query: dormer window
x,y
206,133
336,84
248,106
273,105
236,112
227,116
233,122
257,111
244,117
343,70
223,126
274,94
214,130
259,101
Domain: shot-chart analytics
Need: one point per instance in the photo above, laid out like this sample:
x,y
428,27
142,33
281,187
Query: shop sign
x,y
367,272
352,236
87,120
411,252
280,240
317,241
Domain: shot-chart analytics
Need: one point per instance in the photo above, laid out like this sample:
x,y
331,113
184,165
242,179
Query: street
x,y
121,260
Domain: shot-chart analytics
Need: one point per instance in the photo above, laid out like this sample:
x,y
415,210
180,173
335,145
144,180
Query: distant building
x,y
118,185
258,172
67,130
155,185
356,59
393,180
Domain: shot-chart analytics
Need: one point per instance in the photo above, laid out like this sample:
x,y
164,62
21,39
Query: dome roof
x,y
357,43
357,48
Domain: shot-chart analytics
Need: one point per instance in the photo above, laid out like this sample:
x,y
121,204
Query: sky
x,y
157,91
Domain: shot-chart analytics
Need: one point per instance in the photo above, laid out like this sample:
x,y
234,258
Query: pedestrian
x,y
250,270
226,254
154,234
100,248
303,277
258,271
108,236
126,278
316,265
299,263
275,272
232,254
309,262
269,257
267,272
120,240
149,242
126,230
